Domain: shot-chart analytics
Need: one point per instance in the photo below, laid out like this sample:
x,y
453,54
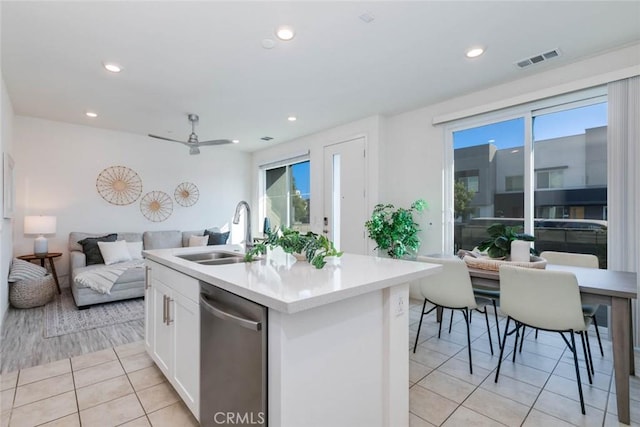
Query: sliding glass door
x,y
544,170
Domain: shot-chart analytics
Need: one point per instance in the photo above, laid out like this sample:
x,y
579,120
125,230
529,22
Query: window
x,y
549,179
287,196
469,181
549,162
483,157
514,183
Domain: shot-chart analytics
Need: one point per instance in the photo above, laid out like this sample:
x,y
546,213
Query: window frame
x,y
262,182
528,112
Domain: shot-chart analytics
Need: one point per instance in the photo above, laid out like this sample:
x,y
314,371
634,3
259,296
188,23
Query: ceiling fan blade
x,y
215,142
166,139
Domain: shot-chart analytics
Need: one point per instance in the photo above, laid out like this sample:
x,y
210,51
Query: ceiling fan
x,y
192,142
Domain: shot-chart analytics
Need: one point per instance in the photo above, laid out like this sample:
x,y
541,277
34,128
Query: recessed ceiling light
x,y
91,114
292,118
110,66
367,18
285,32
474,52
268,43
235,141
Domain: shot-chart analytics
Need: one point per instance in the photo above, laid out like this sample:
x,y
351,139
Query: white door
x,y
184,316
162,333
344,195
148,309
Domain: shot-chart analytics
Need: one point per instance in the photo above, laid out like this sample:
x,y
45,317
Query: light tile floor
x,y
117,386
539,389
122,386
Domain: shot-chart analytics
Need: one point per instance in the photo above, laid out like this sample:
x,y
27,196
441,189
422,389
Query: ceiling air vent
x,y
536,59
266,138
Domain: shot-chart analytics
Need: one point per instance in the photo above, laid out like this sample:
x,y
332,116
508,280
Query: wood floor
x,y
23,344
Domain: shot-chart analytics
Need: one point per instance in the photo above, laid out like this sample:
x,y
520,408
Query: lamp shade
x,y
39,224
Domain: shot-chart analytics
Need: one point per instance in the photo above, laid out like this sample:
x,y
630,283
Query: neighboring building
x,y
570,177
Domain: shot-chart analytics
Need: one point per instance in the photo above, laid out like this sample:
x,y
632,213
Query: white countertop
x,y
288,286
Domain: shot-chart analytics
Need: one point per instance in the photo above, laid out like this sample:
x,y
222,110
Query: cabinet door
x,y
148,309
185,317
162,333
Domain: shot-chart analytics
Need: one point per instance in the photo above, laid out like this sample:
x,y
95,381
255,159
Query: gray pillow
x,y
91,249
216,238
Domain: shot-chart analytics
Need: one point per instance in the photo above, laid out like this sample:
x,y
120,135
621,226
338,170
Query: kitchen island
x,y
337,338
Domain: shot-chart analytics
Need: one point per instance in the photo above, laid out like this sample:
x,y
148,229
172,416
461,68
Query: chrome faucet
x,y
247,229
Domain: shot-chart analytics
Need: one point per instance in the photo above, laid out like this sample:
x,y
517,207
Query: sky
x,y
510,133
301,175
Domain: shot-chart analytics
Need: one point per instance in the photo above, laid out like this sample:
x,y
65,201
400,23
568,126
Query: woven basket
x,y
33,292
486,263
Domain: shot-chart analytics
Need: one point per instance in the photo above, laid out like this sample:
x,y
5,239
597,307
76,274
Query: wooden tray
x,y
486,263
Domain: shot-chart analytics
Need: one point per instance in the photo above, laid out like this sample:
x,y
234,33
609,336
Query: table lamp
x,y
40,225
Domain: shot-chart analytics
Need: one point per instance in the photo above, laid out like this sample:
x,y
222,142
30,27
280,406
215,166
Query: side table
x,y
50,256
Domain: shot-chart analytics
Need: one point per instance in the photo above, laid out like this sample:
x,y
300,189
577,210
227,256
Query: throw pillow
x,y
22,270
198,240
216,238
113,252
91,249
135,249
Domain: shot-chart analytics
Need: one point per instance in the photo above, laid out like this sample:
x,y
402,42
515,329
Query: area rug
x,y
61,316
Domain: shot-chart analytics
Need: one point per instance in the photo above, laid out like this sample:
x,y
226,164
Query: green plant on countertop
x,y
498,245
313,246
394,230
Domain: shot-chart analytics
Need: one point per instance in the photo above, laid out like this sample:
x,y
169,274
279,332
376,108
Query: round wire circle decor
x,y
119,185
156,206
186,194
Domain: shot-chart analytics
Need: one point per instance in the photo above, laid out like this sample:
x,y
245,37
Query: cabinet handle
x,y
147,277
164,309
169,319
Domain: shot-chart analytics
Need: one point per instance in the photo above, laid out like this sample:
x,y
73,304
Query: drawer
x,y
178,282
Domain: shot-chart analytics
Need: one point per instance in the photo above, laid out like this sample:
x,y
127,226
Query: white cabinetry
x,y
172,329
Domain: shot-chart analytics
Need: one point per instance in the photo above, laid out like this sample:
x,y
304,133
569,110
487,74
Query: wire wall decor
x,y
156,206
186,194
119,185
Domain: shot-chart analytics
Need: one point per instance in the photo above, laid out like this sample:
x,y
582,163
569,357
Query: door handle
x,y
169,319
164,309
215,309
147,277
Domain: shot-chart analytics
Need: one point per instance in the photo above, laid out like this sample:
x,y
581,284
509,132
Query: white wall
x,y
369,127
6,229
412,148
407,150
411,165
57,165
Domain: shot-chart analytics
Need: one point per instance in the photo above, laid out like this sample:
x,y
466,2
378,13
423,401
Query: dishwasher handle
x,y
215,309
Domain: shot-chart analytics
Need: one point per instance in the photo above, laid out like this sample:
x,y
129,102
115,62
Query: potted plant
x,y
498,244
314,247
394,229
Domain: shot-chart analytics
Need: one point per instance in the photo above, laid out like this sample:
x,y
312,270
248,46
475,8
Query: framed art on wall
x,y
8,194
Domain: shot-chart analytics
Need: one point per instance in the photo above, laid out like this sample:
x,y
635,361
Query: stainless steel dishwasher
x,y
233,359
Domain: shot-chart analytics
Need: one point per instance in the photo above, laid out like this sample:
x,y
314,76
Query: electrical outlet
x,y
400,305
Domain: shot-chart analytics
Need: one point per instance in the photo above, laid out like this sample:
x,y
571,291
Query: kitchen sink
x,y
213,257
230,260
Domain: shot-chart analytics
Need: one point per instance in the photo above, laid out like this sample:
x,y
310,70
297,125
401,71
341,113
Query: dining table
x,y
616,289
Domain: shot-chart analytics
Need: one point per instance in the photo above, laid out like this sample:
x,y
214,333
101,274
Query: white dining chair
x,y
451,288
578,260
546,300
